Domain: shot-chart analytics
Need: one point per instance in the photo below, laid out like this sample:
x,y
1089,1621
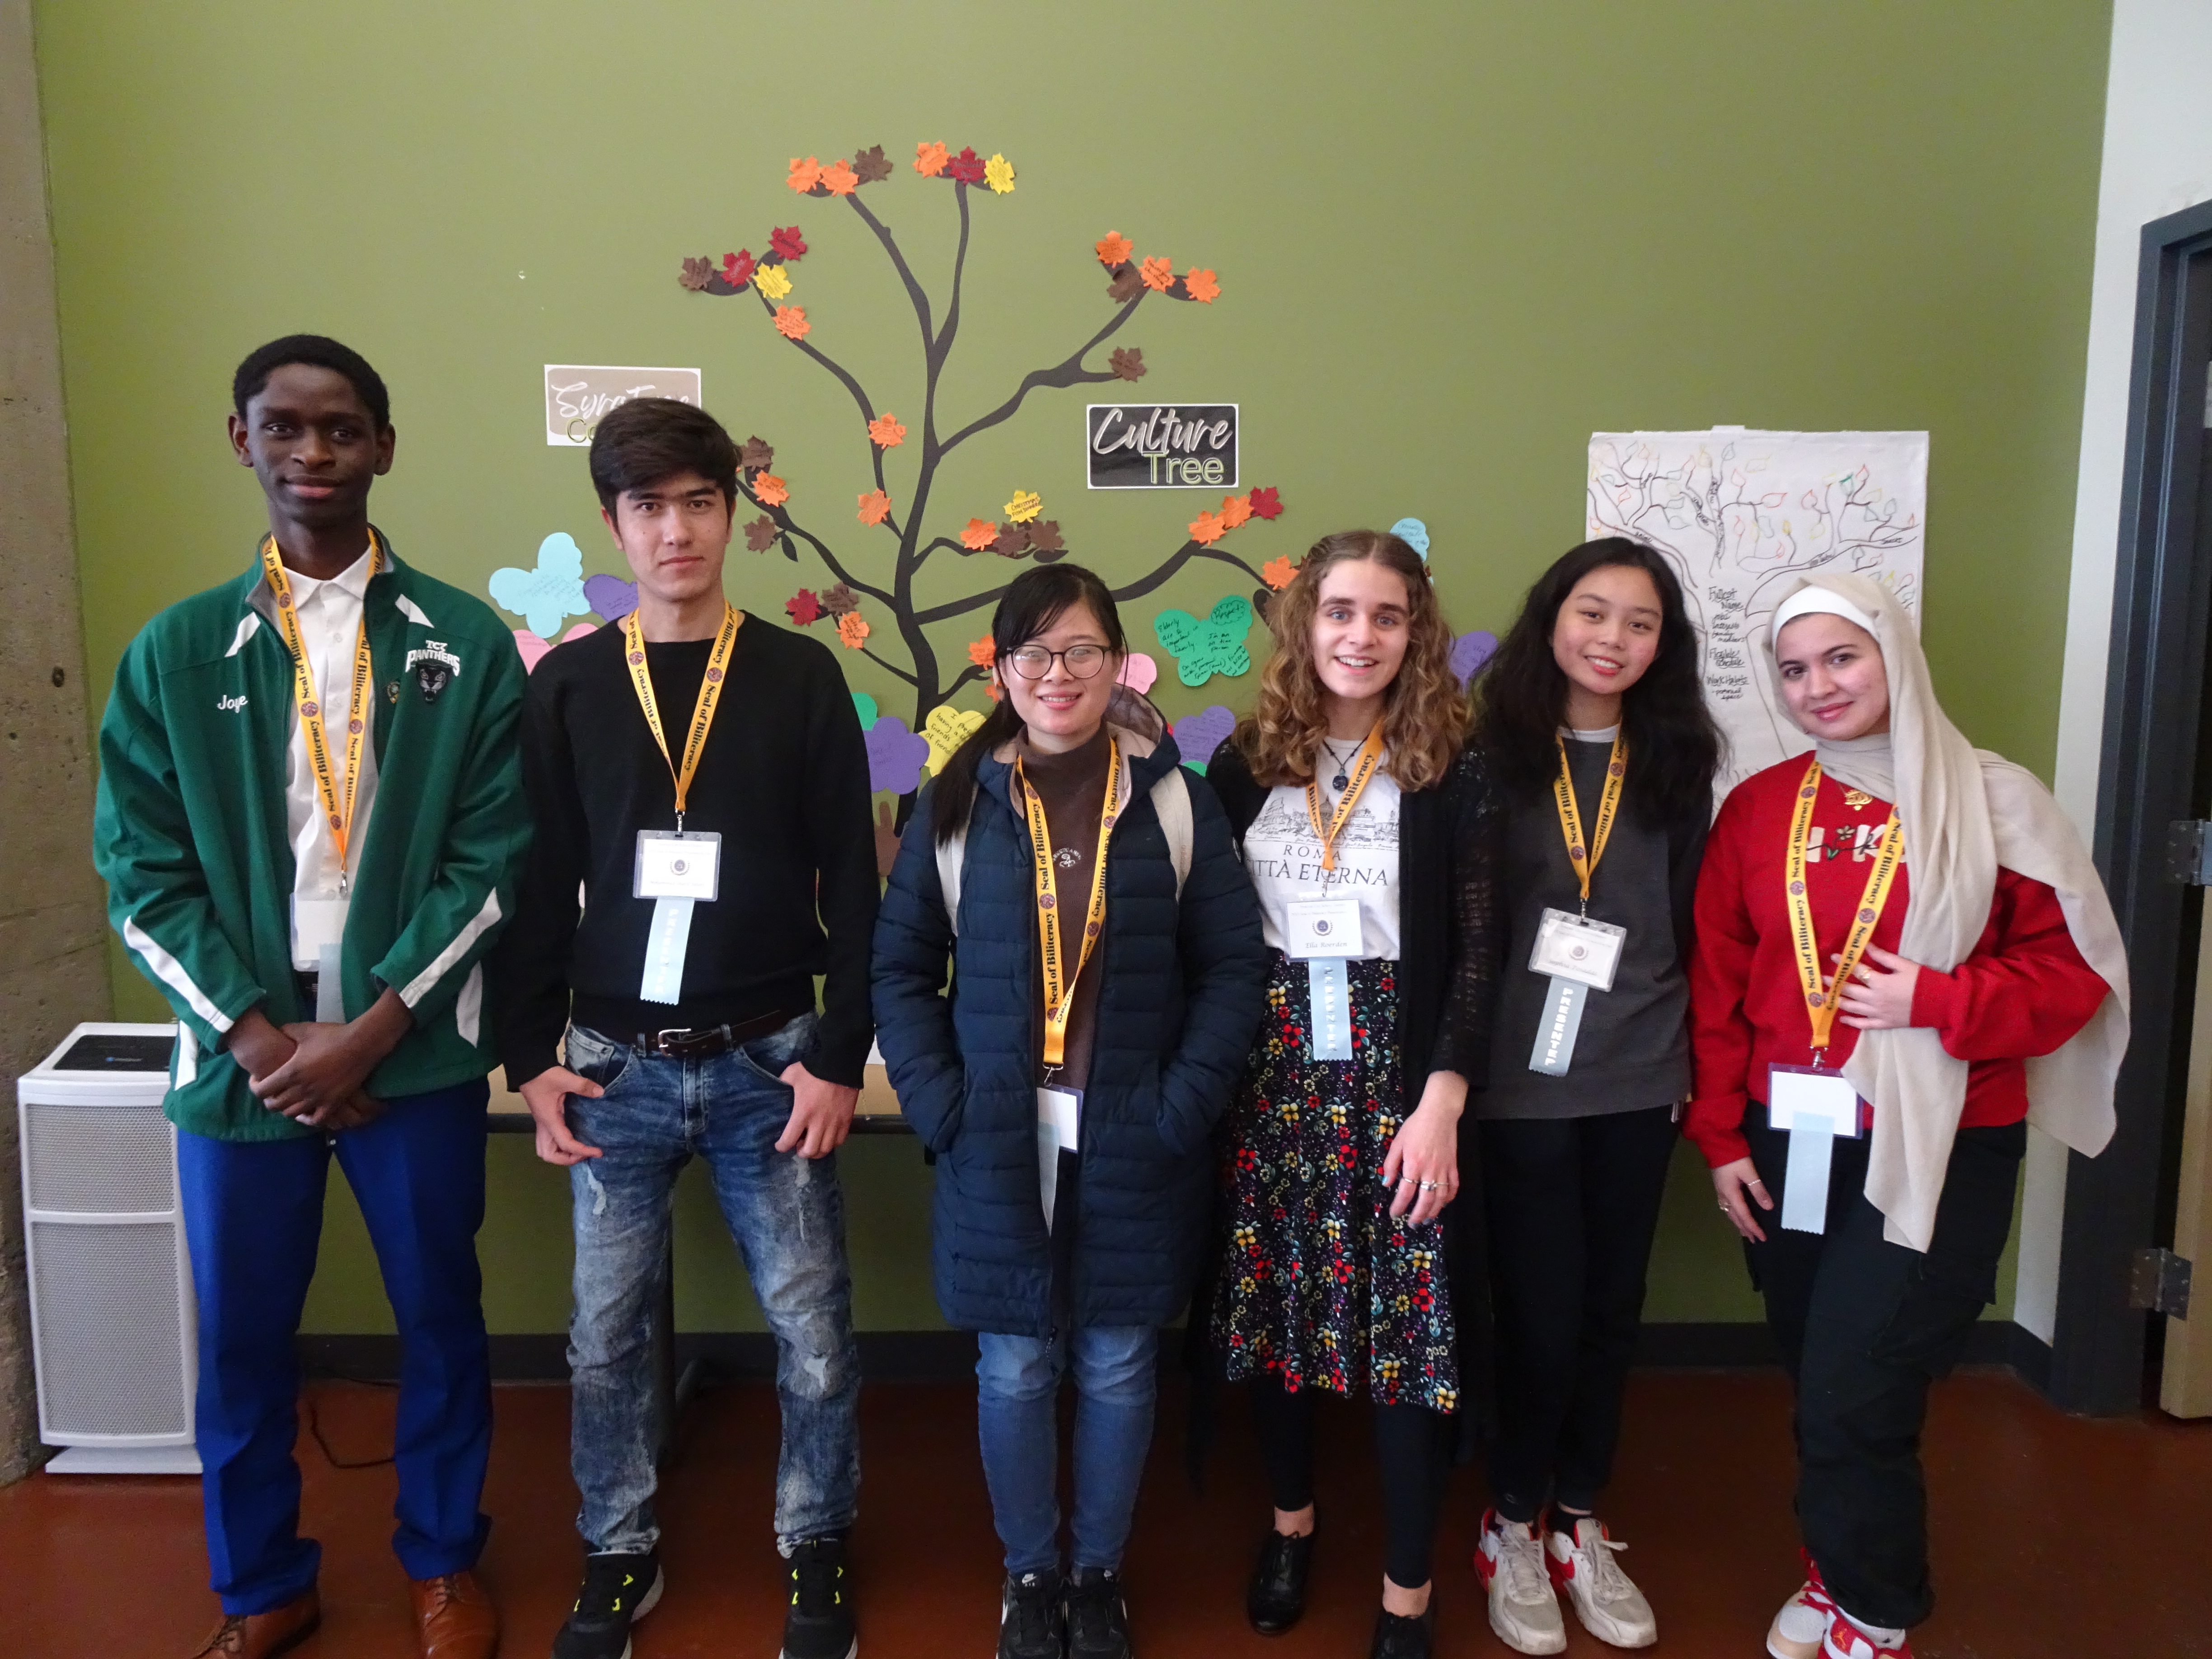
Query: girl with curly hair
x,y
1366,825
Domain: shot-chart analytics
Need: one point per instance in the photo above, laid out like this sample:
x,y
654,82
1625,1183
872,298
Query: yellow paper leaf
x,y
1025,506
947,728
773,281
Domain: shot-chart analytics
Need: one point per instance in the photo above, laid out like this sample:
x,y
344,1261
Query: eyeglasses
x,y
1034,662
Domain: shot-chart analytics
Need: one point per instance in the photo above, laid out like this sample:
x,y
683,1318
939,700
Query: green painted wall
x,y
1453,240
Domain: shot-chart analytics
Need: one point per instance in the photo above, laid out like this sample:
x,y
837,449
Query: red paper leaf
x,y
1127,362
1266,503
870,165
966,168
804,607
756,454
761,534
788,243
738,268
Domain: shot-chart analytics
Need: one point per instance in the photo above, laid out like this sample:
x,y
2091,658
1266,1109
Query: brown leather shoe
x,y
265,1635
454,1618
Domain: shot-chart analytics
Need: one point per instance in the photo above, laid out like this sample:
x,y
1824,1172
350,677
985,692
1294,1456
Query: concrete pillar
x,y
53,959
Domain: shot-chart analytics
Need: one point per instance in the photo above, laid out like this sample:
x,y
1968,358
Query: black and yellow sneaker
x,y
818,1624
618,1591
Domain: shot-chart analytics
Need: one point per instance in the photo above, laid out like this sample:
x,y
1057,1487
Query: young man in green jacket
x,y
311,820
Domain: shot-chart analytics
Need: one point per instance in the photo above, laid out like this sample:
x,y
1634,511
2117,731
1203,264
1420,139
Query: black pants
x,y
1865,1327
1573,1204
1412,1444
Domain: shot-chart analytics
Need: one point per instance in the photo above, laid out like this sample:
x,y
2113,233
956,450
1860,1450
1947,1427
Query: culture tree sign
x,y
875,557
1739,514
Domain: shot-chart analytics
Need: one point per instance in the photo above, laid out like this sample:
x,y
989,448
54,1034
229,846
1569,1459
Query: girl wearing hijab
x,y
1366,826
1904,956
1593,717
1108,970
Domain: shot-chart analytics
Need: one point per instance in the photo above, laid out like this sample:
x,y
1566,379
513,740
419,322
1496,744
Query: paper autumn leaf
x,y
1126,286
873,505
804,607
761,534
1266,503
790,322
983,652
999,173
840,600
1206,529
804,174
1202,286
1013,541
929,160
1127,362
966,168
979,535
697,273
770,490
1279,572
839,178
772,282
885,431
1235,510
1026,505
869,165
786,243
1112,248
738,268
1044,537
852,631
1156,274
757,452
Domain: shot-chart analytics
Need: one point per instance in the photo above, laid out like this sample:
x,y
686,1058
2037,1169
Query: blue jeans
x,y
1017,1395
253,1215
787,1216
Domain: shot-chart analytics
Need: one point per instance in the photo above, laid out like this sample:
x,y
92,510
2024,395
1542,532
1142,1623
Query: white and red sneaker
x,y
1606,1599
1845,1640
1801,1627
1523,1611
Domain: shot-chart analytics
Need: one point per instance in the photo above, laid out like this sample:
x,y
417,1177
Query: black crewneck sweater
x,y
783,778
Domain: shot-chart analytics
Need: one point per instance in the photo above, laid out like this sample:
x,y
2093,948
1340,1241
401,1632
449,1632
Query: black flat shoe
x,y
1276,1599
1397,1637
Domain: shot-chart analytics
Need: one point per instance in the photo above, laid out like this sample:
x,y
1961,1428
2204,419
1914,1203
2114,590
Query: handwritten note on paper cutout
x,y
946,729
1469,652
1138,671
609,597
1415,534
895,756
543,596
1215,646
1200,736
533,649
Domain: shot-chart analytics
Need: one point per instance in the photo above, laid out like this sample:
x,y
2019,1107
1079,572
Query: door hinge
x,y
2188,852
2158,1282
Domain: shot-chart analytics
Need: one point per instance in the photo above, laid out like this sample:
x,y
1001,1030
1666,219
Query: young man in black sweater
x,y
699,777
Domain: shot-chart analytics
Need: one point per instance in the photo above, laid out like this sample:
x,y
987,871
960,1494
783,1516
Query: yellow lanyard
x,y
1363,767
1584,856
702,713
1822,1004
336,793
1058,983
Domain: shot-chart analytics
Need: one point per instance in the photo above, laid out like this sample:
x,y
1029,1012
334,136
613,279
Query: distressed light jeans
x,y
1018,1379
787,1216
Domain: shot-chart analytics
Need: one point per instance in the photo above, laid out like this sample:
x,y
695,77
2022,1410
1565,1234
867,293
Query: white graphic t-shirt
x,y
1284,855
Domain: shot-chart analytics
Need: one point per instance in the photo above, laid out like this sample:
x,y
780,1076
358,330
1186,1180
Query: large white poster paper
x,y
1740,514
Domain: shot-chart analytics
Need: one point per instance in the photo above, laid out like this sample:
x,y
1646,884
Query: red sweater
x,y
2024,990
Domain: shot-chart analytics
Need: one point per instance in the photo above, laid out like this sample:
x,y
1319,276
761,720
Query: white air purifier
x,y
111,1309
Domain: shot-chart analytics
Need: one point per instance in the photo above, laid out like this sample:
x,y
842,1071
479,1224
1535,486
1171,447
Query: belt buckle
x,y
665,1042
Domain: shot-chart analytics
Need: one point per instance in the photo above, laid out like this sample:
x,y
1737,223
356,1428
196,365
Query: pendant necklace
x,y
1339,780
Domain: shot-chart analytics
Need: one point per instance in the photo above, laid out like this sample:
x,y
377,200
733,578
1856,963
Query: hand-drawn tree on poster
x,y
860,573
1709,515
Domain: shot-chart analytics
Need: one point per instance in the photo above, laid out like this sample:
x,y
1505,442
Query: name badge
x,y
1059,1129
1322,927
673,865
1818,1108
1569,946
317,923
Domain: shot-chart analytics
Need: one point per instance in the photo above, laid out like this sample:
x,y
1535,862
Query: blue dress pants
x,y
253,1216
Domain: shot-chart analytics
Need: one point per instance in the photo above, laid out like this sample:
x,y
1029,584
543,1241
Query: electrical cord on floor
x,y
326,1374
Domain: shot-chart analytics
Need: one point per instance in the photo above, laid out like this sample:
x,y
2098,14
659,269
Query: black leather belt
x,y
703,1042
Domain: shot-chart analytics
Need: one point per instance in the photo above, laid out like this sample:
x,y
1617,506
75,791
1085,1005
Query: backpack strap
x,y
951,854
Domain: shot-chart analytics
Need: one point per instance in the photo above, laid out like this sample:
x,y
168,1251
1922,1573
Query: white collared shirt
x,y
330,615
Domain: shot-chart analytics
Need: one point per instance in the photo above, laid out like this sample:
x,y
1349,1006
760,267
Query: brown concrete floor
x,y
2037,1517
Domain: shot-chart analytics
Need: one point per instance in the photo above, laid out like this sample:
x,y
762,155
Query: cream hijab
x,y
1964,812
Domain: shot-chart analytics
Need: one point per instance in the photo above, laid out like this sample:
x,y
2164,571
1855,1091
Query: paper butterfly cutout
x,y
1201,736
895,756
865,706
611,597
1216,646
554,590
1415,534
946,729
533,649
1469,652
1137,672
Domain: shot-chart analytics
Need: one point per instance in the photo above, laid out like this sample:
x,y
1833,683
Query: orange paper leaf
x,y
790,322
979,534
1112,248
840,179
983,652
886,432
1279,572
929,160
804,174
1202,285
1157,274
1206,529
852,631
873,505
1235,510
770,490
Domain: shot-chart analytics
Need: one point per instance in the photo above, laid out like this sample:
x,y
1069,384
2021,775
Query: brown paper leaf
x,y
697,273
1126,286
869,165
1127,362
1044,537
839,599
1013,540
761,534
756,454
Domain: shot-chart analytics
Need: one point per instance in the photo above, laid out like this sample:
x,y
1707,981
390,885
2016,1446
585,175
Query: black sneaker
x,y
1276,1598
1397,1637
1097,1617
618,1591
1032,1624
818,1622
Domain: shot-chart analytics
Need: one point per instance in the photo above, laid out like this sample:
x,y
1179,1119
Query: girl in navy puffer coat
x,y
1072,1151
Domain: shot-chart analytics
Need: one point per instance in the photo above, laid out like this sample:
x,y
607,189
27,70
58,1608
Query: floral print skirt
x,y
1318,1286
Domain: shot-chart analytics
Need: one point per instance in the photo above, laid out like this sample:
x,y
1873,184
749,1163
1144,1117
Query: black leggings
x,y
1411,1444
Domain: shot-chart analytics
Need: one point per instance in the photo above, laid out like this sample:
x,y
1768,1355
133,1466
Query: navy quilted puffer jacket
x,y
1183,994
